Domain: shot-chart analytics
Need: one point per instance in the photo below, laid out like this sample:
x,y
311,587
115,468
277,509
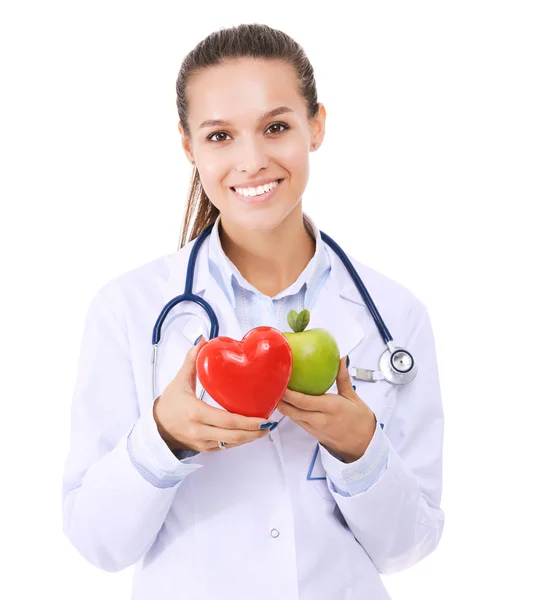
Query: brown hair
x,y
253,41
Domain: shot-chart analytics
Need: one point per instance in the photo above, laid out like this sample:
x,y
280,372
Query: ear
x,y
318,125
186,143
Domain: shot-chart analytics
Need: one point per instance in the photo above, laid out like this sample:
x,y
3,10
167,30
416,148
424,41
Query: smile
x,y
258,191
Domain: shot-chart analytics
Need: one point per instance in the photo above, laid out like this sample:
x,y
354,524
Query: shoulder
x,y
396,303
144,284
377,283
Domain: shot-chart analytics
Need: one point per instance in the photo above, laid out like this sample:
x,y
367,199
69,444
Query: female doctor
x,y
334,489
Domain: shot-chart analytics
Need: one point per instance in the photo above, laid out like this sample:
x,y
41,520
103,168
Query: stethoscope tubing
x,y
384,332
214,323
188,295
390,370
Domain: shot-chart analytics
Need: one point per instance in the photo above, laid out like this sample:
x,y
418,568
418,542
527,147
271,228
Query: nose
x,y
251,156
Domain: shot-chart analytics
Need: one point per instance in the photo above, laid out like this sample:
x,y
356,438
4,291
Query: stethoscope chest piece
x,y
397,366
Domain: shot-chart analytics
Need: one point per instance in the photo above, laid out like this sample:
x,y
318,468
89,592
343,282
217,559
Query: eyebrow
x,y
268,115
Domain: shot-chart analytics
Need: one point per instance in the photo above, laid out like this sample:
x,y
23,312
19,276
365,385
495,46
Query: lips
x,y
277,181
261,198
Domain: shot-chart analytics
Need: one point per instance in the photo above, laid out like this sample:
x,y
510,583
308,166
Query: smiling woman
x,y
254,92
255,169
209,503
259,88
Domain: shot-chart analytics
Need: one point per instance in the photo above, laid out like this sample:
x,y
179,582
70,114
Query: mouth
x,y
255,195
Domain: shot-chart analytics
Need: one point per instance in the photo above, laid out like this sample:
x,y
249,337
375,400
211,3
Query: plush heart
x,y
246,377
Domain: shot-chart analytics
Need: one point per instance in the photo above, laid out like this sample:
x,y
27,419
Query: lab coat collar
x,y
331,310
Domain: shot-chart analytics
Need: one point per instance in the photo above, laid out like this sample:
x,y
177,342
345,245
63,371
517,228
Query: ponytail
x,y
199,205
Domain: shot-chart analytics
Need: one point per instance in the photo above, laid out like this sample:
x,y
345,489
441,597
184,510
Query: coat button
x,y
275,533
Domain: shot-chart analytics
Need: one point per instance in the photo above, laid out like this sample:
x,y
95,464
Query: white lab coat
x,y
248,524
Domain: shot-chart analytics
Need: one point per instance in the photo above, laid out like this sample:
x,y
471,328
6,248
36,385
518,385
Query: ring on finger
x,y
222,445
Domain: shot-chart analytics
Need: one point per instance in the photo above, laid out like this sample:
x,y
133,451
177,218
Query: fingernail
x,y
266,425
275,425
347,362
197,340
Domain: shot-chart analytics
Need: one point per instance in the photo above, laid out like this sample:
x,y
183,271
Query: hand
x,y
186,423
341,422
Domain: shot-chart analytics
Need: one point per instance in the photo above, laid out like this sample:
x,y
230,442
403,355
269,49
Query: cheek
x,y
295,161
210,173
211,176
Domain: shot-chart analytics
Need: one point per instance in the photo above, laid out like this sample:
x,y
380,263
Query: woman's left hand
x,y
341,422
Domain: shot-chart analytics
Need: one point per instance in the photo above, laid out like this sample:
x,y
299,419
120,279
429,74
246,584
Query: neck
x,y
271,261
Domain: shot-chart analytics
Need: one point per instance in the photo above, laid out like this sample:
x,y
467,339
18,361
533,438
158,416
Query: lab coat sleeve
x,y
111,512
151,456
350,479
398,520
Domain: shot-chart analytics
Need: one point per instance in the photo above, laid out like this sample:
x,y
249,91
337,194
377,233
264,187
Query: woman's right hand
x,y
186,423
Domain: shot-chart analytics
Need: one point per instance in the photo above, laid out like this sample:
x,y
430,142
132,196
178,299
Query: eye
x,y
210,137
278,126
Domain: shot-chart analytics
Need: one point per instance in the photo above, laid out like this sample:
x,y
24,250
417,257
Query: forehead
x,y
241,90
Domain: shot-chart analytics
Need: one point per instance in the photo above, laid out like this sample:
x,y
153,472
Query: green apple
x,y
315,356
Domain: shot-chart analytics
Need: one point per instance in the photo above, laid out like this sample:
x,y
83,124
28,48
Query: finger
x,y
186,376
305,401
343,379
219,417
296,414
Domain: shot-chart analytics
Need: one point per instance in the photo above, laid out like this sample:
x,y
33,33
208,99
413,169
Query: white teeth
x,y
258,191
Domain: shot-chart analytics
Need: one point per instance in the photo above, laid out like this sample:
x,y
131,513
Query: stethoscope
x,y
396,364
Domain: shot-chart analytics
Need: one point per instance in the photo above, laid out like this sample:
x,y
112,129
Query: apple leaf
x,y
291,318
303,319
298,322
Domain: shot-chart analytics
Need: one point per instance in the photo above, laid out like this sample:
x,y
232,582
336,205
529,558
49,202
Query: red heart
x,y
246,377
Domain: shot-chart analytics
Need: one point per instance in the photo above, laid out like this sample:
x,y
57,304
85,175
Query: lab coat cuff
x,y
350,479
153,458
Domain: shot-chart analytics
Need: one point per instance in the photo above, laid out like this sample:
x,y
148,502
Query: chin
x,y
258,222
262,218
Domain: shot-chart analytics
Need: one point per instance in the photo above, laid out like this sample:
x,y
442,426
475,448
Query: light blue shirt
x,y
253,308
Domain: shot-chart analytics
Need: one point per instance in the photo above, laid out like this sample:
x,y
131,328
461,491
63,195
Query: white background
x,y
434,171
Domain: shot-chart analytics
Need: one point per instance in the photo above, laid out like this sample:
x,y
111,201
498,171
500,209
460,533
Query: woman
x,y
211,504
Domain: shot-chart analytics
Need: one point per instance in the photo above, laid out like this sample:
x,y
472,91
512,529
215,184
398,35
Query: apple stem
x,y
298,322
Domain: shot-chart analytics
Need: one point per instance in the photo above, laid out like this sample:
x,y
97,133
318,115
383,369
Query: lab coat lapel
x,y
205,286
331,310
208,288
187,320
